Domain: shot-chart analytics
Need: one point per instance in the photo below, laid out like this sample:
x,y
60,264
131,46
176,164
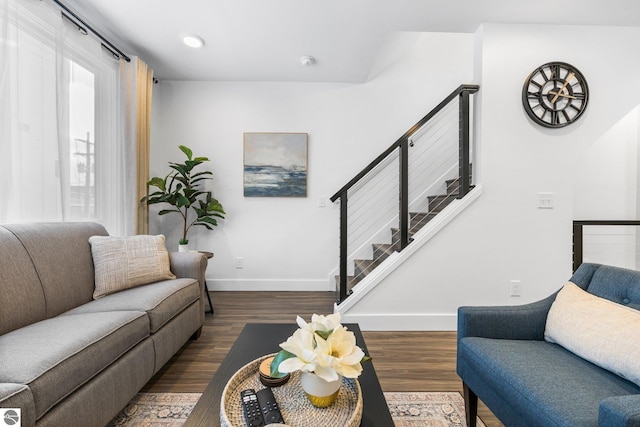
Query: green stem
x,y
184,227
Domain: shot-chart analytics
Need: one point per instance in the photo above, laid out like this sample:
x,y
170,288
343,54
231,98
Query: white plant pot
x,y
183,248
320,393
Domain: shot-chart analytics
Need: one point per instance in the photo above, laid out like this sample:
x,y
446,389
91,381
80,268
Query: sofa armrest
x,y
623,411
190,265
515,322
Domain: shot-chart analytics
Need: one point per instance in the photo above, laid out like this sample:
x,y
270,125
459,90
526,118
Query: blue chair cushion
x,y
531,375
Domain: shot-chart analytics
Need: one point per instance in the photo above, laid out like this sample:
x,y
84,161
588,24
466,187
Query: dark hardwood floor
x,y
404,361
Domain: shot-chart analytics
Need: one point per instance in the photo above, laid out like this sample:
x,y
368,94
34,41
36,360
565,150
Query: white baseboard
x,y
269,285
403,322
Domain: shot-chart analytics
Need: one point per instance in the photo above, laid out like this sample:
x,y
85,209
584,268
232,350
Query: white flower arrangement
x,y
324,347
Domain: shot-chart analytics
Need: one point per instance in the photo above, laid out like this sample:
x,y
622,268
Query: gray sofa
x,y
504,359
67,359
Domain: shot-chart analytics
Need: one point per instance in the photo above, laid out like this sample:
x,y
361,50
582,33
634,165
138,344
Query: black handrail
x,y
461,89
463,92
578,235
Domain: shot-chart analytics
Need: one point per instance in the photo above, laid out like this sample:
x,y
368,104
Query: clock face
x,y
555,94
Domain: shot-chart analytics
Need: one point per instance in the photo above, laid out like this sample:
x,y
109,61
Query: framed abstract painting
x,y
275,164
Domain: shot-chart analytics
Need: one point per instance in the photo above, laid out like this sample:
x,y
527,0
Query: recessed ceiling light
x,y
307,60
192,40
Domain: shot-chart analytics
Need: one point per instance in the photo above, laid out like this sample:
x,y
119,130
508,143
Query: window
x,y
82,167
60,150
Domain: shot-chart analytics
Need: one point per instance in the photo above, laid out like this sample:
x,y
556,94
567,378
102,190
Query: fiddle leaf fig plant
x,y
182,190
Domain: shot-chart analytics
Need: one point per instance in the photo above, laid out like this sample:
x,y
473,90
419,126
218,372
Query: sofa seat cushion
x,y
56,356
548,382
161,301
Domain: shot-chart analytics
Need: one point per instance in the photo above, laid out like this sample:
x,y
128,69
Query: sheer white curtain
x,y
29,149
61,146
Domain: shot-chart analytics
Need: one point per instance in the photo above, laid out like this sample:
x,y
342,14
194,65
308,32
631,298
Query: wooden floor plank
x,y
404,361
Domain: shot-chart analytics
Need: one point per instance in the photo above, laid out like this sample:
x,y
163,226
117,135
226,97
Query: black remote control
x,y
269,406
251,408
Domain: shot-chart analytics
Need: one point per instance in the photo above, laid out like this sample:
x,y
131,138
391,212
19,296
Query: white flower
x,y
340,352
319,323
324,347
302,344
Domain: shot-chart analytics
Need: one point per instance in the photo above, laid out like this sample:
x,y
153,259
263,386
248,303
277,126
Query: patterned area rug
x,y
428,409
157,410
420,409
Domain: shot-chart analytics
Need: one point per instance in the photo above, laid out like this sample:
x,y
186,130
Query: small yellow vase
x,y
320,393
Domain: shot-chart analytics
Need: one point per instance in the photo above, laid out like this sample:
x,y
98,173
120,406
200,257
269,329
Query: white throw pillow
x,y
596,329
126,262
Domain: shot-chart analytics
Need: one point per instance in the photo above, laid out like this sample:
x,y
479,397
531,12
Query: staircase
x,y
417,220
389,201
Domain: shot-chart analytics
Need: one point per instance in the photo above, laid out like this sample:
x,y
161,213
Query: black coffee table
x,y
258,339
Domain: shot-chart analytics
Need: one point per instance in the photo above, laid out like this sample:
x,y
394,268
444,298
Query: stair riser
x,y
453,185
395,237
419,220
382,252
351,282
438,203
363,267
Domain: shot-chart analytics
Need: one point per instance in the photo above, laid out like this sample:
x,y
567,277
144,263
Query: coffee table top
x,y
258,339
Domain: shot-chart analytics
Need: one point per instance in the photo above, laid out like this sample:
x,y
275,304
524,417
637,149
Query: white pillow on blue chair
x,y
601,331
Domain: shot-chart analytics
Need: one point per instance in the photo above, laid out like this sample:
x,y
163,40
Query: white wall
x,y
503,236
293,243
607,189
612,198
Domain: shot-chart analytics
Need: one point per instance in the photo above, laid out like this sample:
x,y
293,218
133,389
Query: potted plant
x,y
181,189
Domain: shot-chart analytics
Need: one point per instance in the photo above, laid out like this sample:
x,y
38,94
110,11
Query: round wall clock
x,y
555,94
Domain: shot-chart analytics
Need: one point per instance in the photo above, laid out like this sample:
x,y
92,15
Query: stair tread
x,y
443,196
385,245
366,262
420,214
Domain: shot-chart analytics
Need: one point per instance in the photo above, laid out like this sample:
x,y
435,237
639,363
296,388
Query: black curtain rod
x,y
76,17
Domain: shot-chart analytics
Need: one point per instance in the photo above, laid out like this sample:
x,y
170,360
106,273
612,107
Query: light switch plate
x,y
545,200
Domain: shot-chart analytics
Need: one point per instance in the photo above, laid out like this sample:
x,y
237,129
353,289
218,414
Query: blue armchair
x,y
503,359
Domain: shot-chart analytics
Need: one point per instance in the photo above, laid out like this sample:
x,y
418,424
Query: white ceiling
x,y
263,40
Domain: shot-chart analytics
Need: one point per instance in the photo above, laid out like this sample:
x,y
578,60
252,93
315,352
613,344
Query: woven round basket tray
x,y
296,409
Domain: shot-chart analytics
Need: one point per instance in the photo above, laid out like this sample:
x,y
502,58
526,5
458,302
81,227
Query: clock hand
x,y
564,86
561,94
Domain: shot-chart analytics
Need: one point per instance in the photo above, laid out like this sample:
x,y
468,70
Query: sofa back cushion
x,y
61,256
21,297
616,284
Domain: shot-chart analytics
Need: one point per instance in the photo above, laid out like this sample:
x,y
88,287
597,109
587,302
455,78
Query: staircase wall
x,y
503,236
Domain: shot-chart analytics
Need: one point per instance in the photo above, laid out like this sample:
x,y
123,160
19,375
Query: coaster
x,y
266,378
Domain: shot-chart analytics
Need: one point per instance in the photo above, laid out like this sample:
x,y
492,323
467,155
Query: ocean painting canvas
x,y
275,164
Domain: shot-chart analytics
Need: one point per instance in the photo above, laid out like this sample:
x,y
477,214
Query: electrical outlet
x,y
515,288
239,263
